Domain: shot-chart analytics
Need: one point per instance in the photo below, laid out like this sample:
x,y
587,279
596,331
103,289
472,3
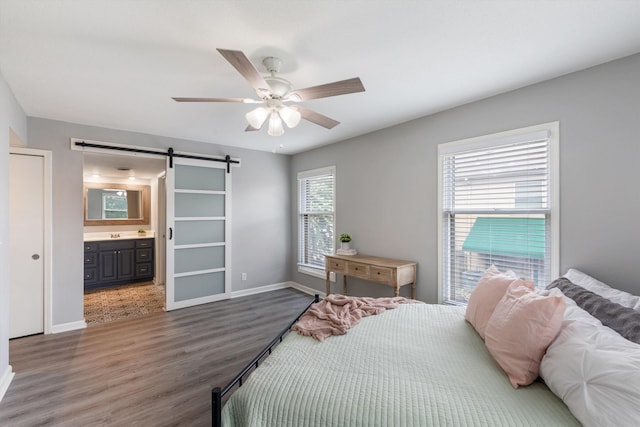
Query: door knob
x,y
35,256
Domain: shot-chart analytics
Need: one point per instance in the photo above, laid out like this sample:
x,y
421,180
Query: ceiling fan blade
x,y
245,100
316,118
342,87
241,63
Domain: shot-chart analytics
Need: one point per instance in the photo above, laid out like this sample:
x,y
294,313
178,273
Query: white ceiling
x,y
116,63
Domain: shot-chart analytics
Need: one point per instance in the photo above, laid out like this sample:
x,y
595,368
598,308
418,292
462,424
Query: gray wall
x,y
386,186
387,181
260,209
11,117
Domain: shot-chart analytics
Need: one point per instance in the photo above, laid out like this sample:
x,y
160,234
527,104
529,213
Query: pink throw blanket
x,y
337,313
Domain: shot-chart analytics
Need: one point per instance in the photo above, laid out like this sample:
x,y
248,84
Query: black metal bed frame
x,y
217,393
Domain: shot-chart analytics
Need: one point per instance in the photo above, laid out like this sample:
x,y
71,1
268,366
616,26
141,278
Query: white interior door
x,y
198,251
26,245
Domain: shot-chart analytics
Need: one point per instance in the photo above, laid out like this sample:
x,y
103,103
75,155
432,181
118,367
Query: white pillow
x,y
573,312
589,283
593,370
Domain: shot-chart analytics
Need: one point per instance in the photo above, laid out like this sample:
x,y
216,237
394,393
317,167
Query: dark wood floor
x,y
156,370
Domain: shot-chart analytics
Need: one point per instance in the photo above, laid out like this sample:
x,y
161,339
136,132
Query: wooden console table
x,y
390,272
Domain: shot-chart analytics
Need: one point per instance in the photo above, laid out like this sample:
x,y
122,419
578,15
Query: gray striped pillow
x,y
623,320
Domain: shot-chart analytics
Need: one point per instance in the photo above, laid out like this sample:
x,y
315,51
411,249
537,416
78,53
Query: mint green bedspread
x,y
416,365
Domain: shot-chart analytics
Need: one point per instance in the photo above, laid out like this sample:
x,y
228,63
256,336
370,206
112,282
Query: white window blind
x,y
497,208
316,216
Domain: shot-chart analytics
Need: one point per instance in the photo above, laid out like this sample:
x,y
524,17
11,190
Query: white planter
x,y
344,246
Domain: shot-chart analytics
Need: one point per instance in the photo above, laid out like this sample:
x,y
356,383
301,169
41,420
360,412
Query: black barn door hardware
x,y
170,153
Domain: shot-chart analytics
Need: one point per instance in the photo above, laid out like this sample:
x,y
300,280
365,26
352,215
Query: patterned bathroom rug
x,y
122,302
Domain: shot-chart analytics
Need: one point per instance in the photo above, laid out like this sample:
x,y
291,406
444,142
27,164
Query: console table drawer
x,y
358,270
381,274
335,265
385,271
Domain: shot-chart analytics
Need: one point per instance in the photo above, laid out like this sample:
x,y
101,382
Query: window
x,y
316,209
114,204
498,205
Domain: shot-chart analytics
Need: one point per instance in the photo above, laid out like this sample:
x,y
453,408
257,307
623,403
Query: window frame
x,y
315,271
493,140
106,194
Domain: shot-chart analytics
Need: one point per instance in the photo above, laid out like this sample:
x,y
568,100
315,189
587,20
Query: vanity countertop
x,y
123,235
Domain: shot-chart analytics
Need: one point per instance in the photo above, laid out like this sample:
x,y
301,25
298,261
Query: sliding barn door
x,y
198,253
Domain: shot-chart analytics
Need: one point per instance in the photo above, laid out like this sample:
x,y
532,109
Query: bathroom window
x,y
114,204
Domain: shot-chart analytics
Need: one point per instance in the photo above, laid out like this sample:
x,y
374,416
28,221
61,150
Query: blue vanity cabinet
x,y
118,262
144,261
90,263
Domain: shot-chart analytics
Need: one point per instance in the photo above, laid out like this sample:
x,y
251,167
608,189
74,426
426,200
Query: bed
x,y
415,365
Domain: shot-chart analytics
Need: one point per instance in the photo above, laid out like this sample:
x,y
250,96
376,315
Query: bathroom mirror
x,y
116,204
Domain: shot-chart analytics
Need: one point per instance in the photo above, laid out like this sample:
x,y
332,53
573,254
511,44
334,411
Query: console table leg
x,y
413,290
328,282
344,284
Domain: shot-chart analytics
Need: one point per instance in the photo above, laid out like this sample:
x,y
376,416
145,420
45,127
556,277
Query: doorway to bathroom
x,y
124,249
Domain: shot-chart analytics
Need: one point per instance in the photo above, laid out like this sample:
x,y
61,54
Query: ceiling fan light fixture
x,y
275,125
290,116
272,91
293,97
279,87
257,117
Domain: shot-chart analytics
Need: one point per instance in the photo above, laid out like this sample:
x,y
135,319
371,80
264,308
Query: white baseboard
x,y
71,326
259,290
306,289
275,287
5,380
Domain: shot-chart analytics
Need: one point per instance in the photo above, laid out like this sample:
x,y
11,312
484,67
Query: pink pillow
x,y
521,328
486,295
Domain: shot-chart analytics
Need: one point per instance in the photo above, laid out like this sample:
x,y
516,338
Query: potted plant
x,y
344,238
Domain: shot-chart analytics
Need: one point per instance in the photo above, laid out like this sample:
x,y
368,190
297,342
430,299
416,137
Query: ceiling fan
x,y
275,93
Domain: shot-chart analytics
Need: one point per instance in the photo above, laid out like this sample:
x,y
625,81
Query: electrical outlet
x,y
332,276
244,276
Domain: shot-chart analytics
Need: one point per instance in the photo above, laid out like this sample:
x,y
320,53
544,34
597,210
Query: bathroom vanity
x,y
118,261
